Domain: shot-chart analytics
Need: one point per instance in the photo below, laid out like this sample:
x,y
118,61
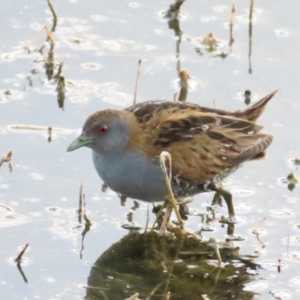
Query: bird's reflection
x,y
153,266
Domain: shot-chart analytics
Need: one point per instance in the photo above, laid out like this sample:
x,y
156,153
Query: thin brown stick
x,y
87,220
136,81
49,35
19,257
148,219
21,272
49,134
250,36
54,15
79,211
231,40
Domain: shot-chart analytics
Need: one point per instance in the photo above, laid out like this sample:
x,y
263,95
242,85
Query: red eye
x,y
102,129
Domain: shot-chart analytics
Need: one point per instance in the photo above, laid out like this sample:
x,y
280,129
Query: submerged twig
x,y
79,211
61,89
7,159
231,40
54,15
49,134
255,231
19,257
136,81
147,220
49,35
184,85
87,226
250,35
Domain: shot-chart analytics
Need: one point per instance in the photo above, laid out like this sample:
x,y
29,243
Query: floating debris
x,y
7,159
130,226
247,95
292,181
211,41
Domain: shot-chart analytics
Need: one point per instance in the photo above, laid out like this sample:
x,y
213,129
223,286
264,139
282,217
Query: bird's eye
x,y
102,129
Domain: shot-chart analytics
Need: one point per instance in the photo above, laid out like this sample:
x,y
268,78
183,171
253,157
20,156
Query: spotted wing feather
x,y
203,145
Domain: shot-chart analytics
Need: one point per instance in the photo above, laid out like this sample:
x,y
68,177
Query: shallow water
x,y
100,45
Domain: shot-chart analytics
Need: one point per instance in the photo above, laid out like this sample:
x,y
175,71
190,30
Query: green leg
x,y
217,199
228,199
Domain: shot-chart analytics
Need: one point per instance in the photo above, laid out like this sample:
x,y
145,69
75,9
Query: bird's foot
x,y
228,220
163,232
185,201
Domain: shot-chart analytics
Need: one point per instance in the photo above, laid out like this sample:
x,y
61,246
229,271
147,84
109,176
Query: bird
x,y
206,145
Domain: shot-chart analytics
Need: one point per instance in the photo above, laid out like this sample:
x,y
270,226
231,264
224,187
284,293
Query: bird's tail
x,y
253,112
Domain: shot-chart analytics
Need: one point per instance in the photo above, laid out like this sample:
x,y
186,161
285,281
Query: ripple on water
x,y
281,294
9,94
207,19
242,208
227,26
283,182
79,99
193,84
240,191
292,240
256,286
282,213
8,57
99,18
294,163
244,19
167,15
295,281
240,96
208,228
115,98
220,8
134,4
259,231
281,33
296,226
292,256
79,43
25,260
9,218
291,200
91,66
272,265
125,46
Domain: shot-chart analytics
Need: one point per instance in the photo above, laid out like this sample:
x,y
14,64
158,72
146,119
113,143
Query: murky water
x,y
100,45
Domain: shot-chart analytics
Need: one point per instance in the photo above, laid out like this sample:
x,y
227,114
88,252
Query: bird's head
x,y
105,131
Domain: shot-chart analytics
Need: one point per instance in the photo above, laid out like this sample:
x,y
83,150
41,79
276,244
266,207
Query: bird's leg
x,y
217,199
158,215
183,208
163,228
228,199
